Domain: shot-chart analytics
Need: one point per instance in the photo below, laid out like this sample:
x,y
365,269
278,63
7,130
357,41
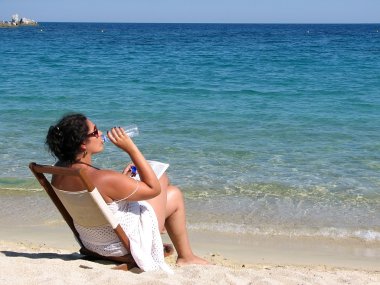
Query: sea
x,y
270,130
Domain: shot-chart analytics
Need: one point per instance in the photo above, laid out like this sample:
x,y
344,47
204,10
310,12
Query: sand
x,y
27,263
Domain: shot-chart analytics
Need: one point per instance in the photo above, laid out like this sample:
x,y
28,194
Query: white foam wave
x,y
21,189
367,235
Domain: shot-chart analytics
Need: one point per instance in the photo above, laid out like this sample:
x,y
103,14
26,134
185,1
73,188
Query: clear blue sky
x,y
195,11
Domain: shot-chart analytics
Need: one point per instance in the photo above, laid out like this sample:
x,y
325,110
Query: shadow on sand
x,y
48,255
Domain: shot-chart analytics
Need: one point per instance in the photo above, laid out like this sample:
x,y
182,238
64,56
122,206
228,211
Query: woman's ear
x,y
83,147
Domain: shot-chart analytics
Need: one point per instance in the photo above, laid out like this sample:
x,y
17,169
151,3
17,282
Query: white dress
x,y
139,222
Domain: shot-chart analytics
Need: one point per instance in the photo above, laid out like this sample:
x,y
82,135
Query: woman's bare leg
x,y
173,218
176,226
159,202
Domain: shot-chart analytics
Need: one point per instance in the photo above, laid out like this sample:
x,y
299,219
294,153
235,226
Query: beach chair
x,y
86,208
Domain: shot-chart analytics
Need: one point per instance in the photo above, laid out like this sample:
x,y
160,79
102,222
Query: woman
x,y
73,141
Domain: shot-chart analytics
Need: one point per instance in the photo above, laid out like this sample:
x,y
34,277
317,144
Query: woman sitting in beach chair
x,y
73,141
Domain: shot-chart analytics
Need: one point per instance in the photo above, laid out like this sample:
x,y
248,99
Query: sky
x,y
194,11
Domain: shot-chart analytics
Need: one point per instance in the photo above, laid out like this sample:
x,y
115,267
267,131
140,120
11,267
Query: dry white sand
x,y
22,263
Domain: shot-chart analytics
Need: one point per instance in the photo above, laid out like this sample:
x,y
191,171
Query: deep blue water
x,y
269,129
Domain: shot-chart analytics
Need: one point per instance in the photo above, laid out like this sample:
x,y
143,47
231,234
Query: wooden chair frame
x,y
39,172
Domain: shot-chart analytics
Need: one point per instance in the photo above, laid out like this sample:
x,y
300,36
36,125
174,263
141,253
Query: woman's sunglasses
x,y
95,133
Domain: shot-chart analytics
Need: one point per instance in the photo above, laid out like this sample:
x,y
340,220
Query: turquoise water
x,y
269,129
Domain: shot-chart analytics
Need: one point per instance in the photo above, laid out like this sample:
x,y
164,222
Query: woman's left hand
x,y
129,170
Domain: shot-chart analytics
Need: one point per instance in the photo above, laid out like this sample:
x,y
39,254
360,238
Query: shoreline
x,y
44,226
33,219
239,251
37,242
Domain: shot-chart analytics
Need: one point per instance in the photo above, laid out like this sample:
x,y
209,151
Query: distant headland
x,y
16,22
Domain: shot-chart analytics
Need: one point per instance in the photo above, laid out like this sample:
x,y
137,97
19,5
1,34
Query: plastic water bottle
x,y
131,131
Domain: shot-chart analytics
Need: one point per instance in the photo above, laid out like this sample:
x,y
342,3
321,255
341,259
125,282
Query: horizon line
x,y
220,23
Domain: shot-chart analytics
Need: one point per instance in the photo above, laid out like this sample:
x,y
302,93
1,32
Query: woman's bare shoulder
x,y
106,174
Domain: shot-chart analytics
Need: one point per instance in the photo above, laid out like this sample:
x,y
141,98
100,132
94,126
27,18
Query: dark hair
x,y
65,138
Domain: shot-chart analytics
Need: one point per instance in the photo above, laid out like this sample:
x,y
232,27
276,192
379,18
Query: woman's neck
x,y
85,163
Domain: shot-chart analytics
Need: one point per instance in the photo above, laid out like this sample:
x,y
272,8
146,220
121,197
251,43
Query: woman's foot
x,y
191,260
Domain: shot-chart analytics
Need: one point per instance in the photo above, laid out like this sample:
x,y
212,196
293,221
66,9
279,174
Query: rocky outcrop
x,y
16,22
